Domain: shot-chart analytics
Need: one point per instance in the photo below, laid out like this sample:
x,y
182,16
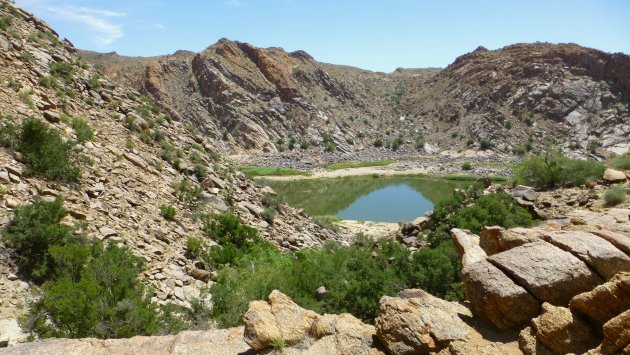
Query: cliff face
x,y
564,92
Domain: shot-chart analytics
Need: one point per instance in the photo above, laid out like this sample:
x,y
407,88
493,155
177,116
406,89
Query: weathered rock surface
x,y
281,319
617,335
467,246
596,252
220,342
495,298
417,323
497,239
605,301
614,176
547,272
564,332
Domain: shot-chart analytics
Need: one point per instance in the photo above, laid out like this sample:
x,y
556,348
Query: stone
x,y
612,176
525,192
547,272
52,117
605,301
620,241
497,239
495,298
467,246
596,252
261,328
617,335
564,332
136,160
199,274
256,210
213,181
342,334
107,232
216,341
11,333
530,345
320,293
416,322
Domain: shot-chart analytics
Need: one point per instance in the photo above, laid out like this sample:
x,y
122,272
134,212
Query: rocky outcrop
x,y
220,342
547,272
416,322
281,321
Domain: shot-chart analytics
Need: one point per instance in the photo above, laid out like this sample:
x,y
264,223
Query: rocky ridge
x,y
119,194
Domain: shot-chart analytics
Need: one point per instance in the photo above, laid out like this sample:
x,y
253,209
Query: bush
x,y
466,166
62,70
498,209
200,171
614,196
268,215
378,143
485,144
397,143
104,301
5,22
36,228
355,277
554,169
330,147
187,193
168,212
82,129
621,163
45,152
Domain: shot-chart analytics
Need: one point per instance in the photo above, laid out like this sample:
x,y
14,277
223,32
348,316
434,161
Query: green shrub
x,y
62,70
106,301
378,143
397,143
82,129
25,97
45,152
268,215
168,212
5,22
200,171
466,166
187,193
621,163
327,222
554,169
330,147
485,144
615,196
47,82
36,228
498,209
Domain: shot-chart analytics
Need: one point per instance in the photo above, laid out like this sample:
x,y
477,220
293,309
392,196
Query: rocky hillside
x,y
576,96
268,99
258,98
133,159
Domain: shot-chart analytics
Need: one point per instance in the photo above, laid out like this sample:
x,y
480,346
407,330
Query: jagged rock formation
x,y
573,94
119,194
250,97
566,92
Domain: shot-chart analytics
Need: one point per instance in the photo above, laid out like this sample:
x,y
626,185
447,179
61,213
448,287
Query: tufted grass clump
x,y
614,196
168,212
621,163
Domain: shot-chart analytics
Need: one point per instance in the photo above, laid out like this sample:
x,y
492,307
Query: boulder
x,y
563,331
467,246
605,301
261,328
217,341
617,335
342,334
530,345
546,271
612,176
417,323
525,192
620,241
495,298
497,239
596,252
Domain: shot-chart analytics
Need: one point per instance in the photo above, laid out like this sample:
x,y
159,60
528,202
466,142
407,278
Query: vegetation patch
x,y
360,164
252,171
621,163
465,177
553,168
614,196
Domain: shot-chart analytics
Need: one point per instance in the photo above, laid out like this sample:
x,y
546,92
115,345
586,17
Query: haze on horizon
x,y
369,34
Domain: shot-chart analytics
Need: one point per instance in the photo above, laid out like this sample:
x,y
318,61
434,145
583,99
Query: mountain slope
x,y
257,98
253,98
567,93
135,162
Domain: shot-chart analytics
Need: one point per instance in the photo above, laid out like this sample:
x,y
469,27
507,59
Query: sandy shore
x,y
376,230
371,170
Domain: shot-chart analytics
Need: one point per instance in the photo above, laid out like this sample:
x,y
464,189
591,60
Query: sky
x,y
379,35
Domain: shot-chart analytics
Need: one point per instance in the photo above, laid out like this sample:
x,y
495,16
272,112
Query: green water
x,y
383,199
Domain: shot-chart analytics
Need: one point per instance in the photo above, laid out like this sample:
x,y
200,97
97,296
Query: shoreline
x,y
347,172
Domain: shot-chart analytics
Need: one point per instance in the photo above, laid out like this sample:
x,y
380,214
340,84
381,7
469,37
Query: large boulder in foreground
x,y
605,301
596,252
495,298
218,341
282,321
563,331
547,272
417,323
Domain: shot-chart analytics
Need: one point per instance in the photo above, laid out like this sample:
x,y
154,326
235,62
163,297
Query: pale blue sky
x,y
376,35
